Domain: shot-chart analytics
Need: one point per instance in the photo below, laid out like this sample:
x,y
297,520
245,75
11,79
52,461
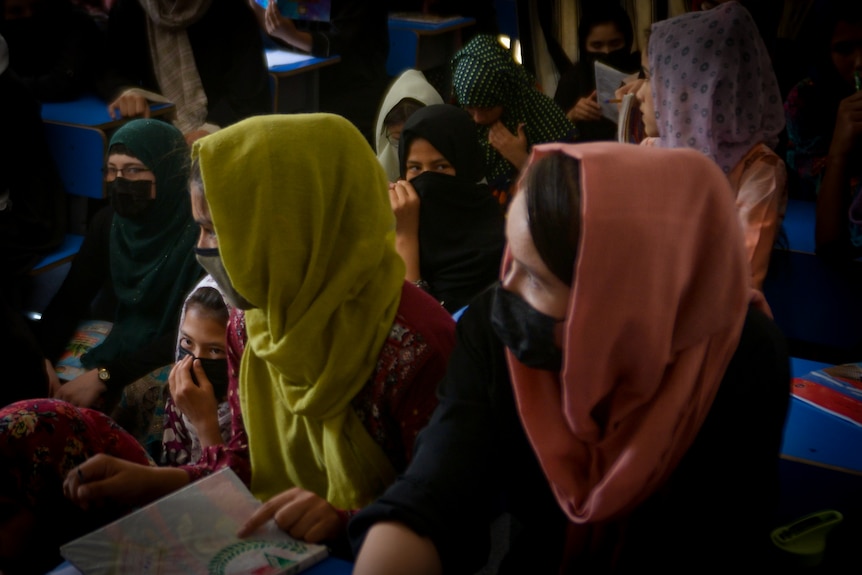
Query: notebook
x,y
192,530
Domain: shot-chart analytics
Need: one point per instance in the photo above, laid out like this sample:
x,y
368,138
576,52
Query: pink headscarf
x,y
714,88
658,300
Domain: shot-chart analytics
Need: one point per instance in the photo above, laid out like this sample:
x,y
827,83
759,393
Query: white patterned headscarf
x,y
173,59
714,88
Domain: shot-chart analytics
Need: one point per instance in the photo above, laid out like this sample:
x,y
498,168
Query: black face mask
x,y
130,198
215,369
528,333
210,260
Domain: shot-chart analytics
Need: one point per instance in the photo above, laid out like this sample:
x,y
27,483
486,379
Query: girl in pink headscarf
x,y
617,393
711,87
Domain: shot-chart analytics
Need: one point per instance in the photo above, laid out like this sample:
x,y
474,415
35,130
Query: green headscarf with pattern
x,y
485,75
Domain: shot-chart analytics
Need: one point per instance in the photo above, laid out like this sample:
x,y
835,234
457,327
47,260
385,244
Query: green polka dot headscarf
x,y
485,75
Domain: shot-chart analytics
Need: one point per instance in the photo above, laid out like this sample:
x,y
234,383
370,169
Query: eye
x,y
217,351
186,343
443,167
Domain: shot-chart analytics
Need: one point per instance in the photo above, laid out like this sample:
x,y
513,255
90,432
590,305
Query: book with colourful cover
x,y
316,10
193,530
88,335
836,390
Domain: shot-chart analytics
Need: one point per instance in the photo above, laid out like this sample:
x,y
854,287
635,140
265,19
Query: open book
x,y
608,80
192,530
836,390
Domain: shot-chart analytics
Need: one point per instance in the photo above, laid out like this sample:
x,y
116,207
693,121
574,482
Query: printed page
x,y
607,81
192,531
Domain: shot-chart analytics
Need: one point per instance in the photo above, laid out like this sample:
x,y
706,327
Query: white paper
x,y
607,81
285,57
192,530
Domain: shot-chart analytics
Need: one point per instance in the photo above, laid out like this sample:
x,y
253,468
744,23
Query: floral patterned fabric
x,y
41,440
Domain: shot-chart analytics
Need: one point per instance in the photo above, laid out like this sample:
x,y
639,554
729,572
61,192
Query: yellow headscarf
x,y
306,233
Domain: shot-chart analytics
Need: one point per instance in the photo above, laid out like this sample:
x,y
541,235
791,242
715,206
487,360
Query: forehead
x,y
421,149
123,160
604,31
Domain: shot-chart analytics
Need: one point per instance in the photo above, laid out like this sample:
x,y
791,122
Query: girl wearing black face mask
x,y
450,228
605,35
197,414
137,257
591,395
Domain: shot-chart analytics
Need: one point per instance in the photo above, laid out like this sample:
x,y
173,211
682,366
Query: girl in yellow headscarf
x,y
306,237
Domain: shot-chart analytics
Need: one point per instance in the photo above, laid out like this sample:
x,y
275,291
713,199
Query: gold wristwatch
x,y
104,374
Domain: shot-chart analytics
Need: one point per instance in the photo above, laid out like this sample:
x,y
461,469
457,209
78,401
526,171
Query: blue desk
x,y
423,45
294,81
815,303
78,133
814,436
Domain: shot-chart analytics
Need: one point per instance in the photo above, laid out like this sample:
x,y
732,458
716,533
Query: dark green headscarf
x,y
485,75
152,263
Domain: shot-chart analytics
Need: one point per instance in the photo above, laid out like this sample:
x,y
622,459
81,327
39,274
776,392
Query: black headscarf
x,y
461,225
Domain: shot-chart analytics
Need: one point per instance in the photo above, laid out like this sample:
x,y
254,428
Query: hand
x,y
191,137
198,403
104,479
405,203
512,147
128,105
277,25
848,126
586,109
83,391
629,88
300,513
53,379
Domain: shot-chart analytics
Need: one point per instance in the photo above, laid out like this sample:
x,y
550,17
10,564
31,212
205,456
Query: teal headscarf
x,y
152,262
485,75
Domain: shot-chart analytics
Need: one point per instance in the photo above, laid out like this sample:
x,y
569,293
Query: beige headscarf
x,y
173,59
409,84
658,300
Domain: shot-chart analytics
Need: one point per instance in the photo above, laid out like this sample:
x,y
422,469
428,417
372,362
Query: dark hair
x,y
209,301
401,111
553,194
595,14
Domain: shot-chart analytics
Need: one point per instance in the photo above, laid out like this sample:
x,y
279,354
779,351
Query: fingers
x,y
265,512
81,484
300,513
203,381
129,105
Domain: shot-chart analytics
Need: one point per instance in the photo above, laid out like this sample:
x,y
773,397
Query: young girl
x,y
511,113
449,227
604,35
197,413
